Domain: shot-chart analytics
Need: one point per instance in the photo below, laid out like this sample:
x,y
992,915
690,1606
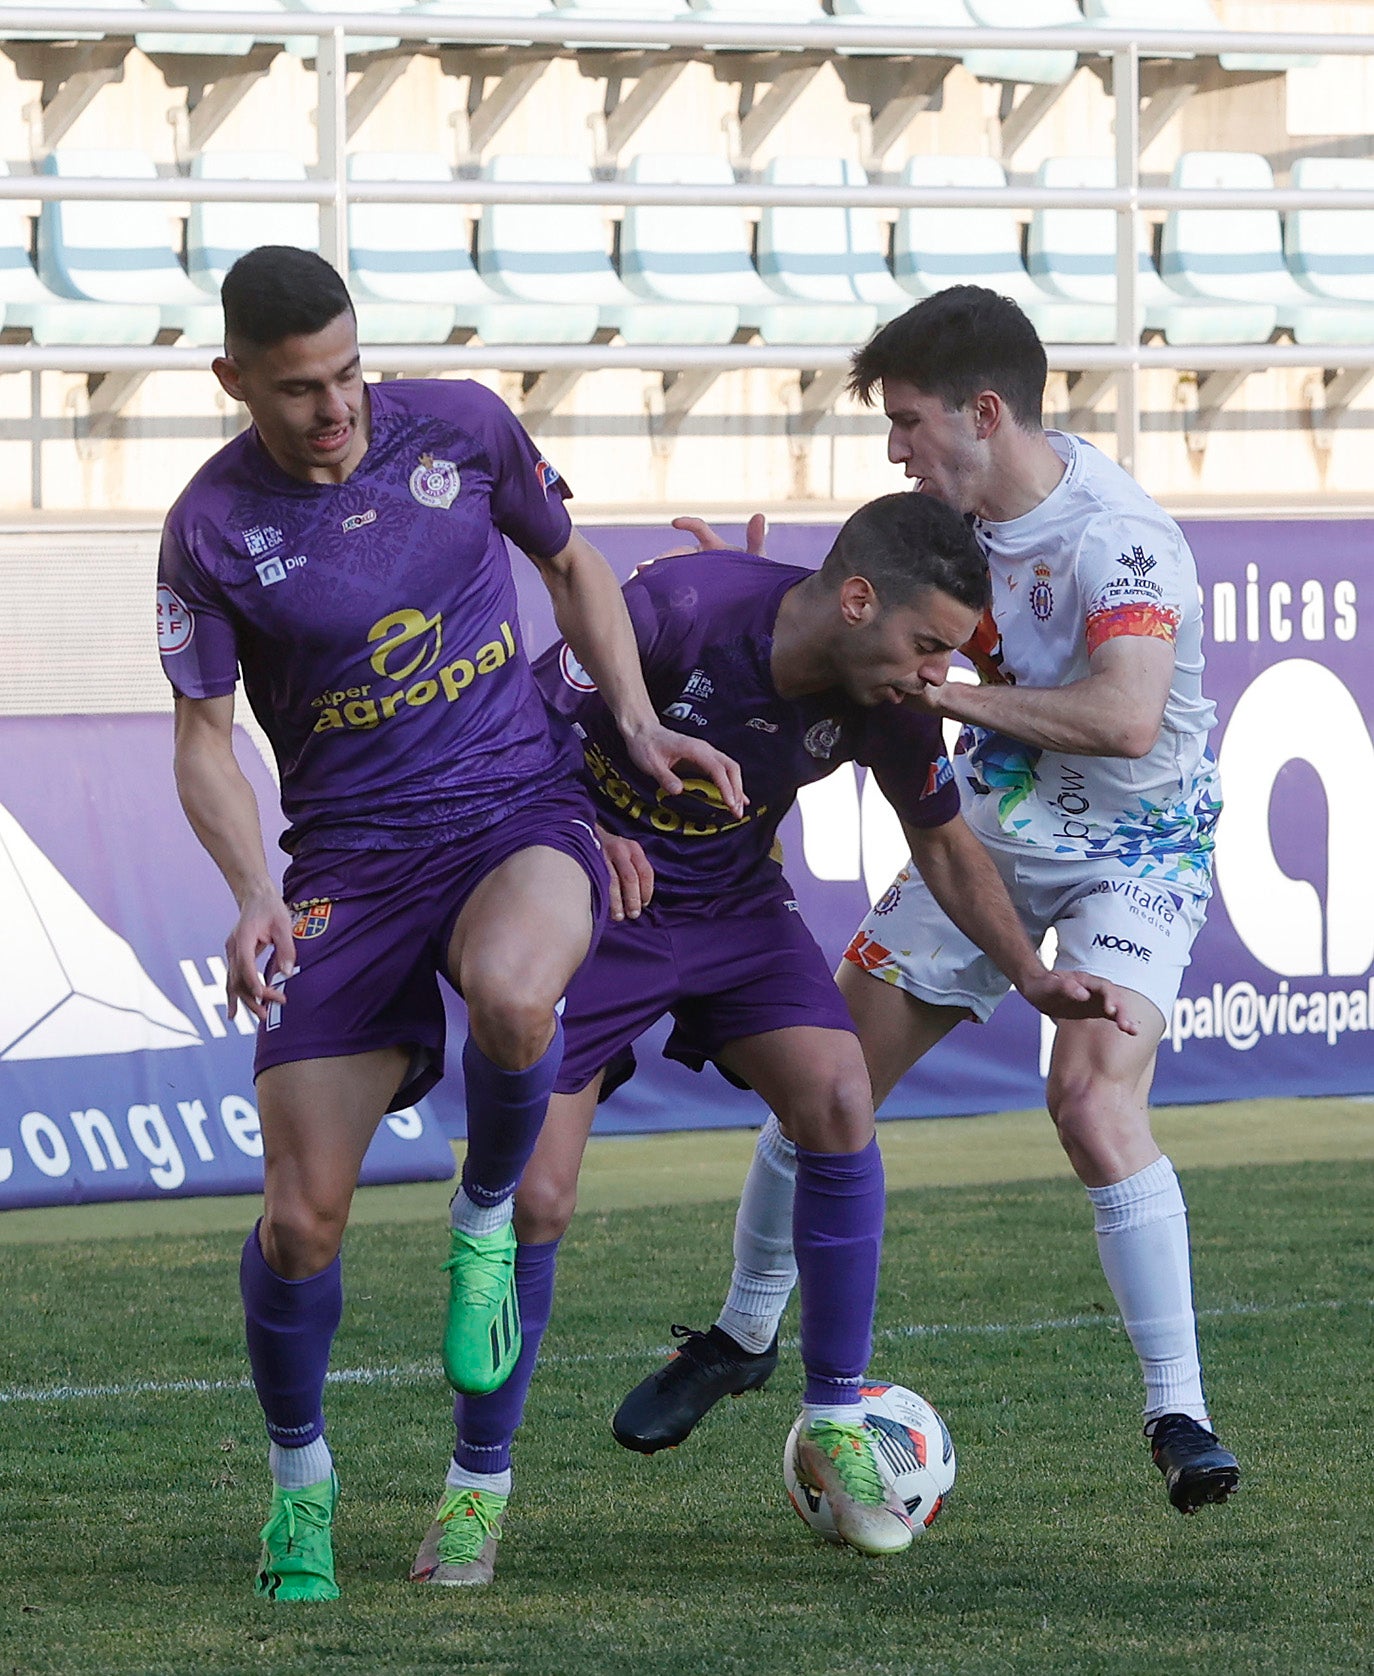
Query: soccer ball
x,y
915,1458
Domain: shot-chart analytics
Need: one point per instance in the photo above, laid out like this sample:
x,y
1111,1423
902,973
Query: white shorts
x,y
1109,922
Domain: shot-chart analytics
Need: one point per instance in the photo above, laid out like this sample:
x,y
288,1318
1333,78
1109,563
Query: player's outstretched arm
x,y
223,813
966,884
590,611
1116,711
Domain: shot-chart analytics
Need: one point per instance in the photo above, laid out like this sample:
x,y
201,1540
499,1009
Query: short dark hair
x,y
277,292
905,542
954,344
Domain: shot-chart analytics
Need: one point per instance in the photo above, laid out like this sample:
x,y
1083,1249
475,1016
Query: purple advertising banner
x,y
121,1075
1279,999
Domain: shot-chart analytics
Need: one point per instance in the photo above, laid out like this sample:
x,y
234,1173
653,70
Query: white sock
x,y
479,1219
765,1270
295,1469
839,1414
1142,1239
495,1483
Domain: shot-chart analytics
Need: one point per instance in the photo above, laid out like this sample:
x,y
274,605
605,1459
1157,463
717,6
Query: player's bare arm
x,y
223,813
590,612
966,884
1115,712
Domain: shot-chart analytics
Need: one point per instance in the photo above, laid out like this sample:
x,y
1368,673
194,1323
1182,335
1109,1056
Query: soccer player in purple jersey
x,y
792,672
1087,774
347,554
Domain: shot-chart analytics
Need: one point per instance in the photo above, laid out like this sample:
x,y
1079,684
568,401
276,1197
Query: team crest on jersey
x,y
1042,594
573,672
888,900
547,476
175,624
1138,561
312,918
821,740
435,482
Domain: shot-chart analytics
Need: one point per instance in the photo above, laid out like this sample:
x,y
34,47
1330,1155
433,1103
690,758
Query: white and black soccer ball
x,y
915,1455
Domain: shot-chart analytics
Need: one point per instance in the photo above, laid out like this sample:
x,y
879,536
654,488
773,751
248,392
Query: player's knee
x,y
300,1238
544,1206
833,1115
512,1029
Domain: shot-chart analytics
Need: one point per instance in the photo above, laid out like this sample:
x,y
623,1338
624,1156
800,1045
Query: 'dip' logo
x,y
402,633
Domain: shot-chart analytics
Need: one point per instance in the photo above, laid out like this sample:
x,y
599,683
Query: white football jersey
x,y
1097,558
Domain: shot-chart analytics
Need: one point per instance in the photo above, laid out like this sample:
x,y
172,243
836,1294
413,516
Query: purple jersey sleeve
x,y
905,749
195,636
528,493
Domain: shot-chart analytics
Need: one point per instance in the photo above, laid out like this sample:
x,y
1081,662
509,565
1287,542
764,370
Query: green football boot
x,y
459,1549
841,1462
297,1548
482,1332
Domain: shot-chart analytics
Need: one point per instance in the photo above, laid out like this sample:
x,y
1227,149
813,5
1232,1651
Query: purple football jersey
x,y
704,623
375,620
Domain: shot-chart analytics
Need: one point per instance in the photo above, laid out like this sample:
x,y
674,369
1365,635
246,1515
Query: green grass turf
x,y
128,1522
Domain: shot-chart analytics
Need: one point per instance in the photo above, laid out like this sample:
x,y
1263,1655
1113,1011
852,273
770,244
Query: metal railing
x,y
333,191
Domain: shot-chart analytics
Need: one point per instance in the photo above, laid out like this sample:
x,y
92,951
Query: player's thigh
x,y
318,1117
547,1195
895,1027
523,931
814,1079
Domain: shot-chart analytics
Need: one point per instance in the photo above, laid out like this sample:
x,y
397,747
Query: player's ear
x,y
226,369
858,601
987,408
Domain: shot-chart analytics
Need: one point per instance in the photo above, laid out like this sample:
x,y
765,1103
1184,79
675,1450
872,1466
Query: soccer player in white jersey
x,y
1086,772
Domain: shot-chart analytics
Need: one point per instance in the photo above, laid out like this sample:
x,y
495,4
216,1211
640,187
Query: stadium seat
x,y
410,263
1046,68
28,304
218,234
632,11
1181,14
218,46
988,64
548,261
758,11
705,256
1072,254
829,258
1331,251
1236,255
935,248
58,32
307,45
119,252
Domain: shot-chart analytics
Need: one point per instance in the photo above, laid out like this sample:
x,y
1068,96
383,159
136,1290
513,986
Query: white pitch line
x,y
419,1373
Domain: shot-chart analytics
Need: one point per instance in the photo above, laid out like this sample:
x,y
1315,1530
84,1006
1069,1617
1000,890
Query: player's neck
x,y
1027,472
800,661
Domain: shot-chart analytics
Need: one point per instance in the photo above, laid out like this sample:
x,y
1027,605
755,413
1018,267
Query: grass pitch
x,y
129,1503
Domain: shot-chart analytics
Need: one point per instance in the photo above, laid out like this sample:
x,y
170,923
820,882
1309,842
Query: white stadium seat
x,y
1072,253
934,248
111,251
1331,251
1236,255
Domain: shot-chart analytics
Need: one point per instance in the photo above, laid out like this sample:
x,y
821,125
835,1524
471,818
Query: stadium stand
x,y
549,286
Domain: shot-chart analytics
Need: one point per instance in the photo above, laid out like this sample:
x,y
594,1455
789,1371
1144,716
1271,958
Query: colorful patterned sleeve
x,y
1133,578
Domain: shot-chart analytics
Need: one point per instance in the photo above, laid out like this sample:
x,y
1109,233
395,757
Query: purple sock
x,y
837,1233
505,1114
487,1424
290,1325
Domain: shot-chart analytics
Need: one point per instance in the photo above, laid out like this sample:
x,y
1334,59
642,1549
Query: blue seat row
x,y
109,272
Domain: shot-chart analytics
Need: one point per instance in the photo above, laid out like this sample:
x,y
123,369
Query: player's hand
x,y
264,922
1079,995
632,877
709,542
660,752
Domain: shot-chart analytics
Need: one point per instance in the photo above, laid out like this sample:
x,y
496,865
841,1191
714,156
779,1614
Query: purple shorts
x,y
372,929
721,978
